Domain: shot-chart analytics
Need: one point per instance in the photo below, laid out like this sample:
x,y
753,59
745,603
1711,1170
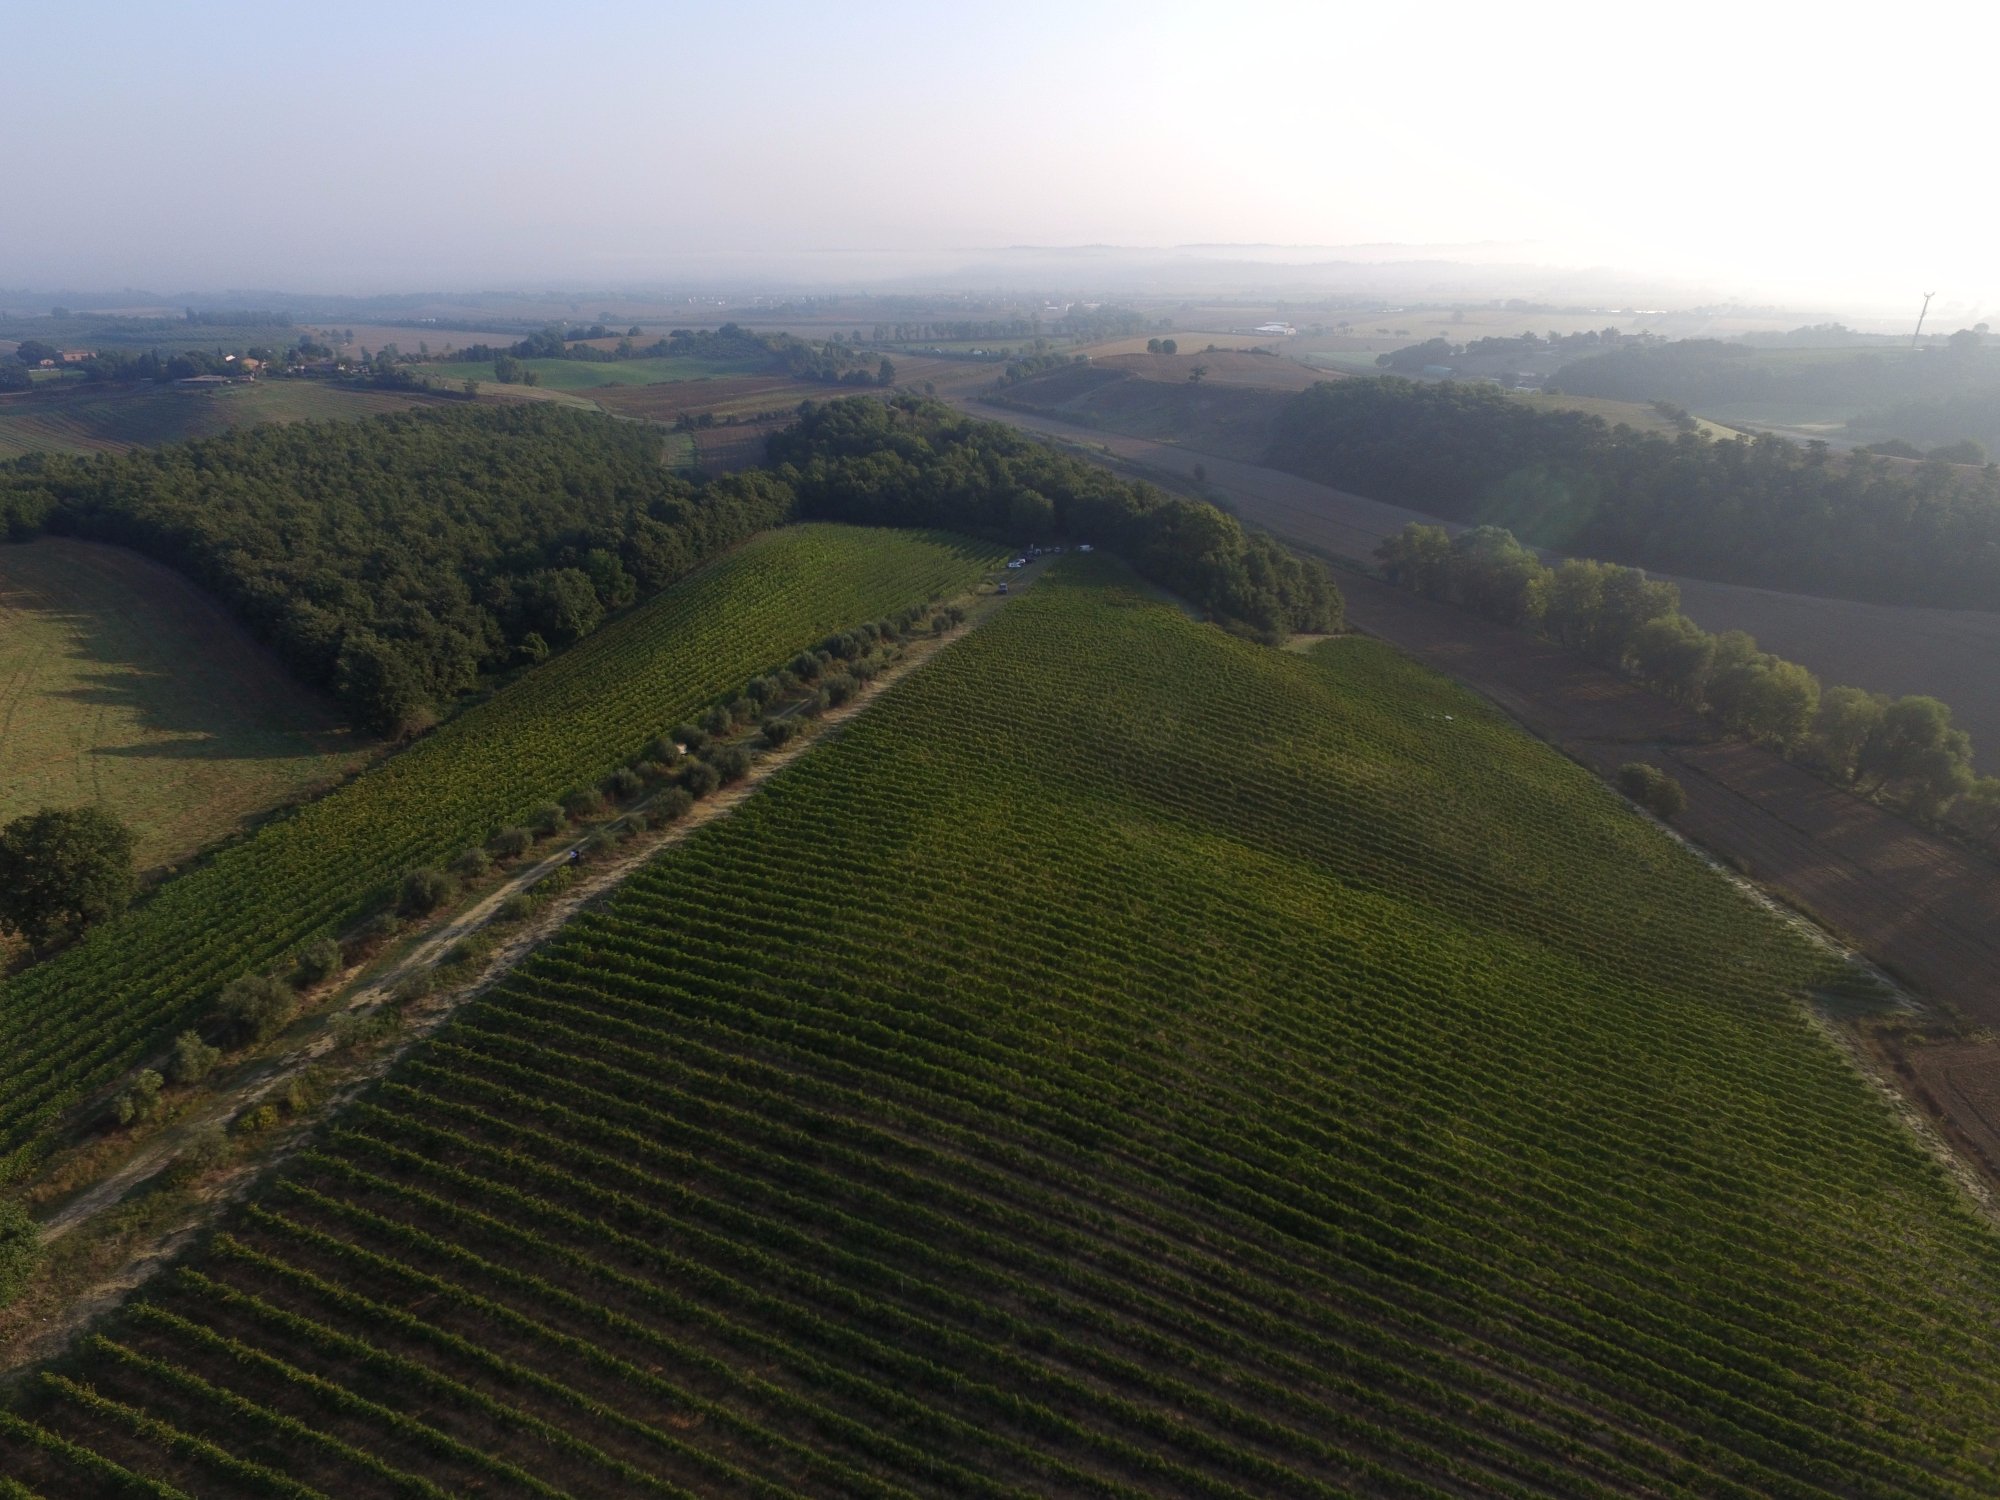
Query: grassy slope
x,y
111,419
123,684
579,375
1129,1060
77,1020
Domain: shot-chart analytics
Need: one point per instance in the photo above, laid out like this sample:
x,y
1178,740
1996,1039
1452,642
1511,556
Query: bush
x,y
206,1150
191,1059
20,1249
254,1007
622,784
655,772
699,778
547,821
318,962
516,908
805,666
1652,788
510,843
839,688
472,864
600,842
778,731
761,690
672,805
717,722
141,1100
691,736
424,891
744,710
732,763
376,931
587,803
256,1121
662,750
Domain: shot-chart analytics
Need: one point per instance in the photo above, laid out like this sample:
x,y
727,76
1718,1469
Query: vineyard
x,y
73,1023
1130,1061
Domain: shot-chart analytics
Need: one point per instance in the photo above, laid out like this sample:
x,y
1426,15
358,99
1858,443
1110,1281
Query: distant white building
x,y
1283,328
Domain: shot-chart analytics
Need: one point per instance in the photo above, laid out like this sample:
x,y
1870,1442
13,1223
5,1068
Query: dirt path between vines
x,y
44,1336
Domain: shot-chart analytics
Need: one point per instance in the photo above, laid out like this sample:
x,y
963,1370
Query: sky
x,y
1827,151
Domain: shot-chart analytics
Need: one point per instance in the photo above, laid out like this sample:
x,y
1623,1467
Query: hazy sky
x,y
422,144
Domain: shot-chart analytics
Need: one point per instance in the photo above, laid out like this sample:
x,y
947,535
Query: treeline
x,y
952,330
1760,511
1712,372
918,463
396,561
1903,751
829,363
1413,357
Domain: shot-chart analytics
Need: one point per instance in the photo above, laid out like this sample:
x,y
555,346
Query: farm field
x,y
76,1021
1128,1061
583,375
737,395
1884,648
85,418
124,685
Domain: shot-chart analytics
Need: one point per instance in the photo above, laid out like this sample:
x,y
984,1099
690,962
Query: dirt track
x,y
1950,654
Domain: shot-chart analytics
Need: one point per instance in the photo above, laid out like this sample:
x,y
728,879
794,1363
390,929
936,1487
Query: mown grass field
x,y
112,419
1128,1061
125,686
75,1021
582,375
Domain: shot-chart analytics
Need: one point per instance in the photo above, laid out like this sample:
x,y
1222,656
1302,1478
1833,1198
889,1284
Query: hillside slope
x,y
72,1023
1130,1061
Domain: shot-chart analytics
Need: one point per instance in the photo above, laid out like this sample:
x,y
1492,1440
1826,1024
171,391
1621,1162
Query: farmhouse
x,y
77,356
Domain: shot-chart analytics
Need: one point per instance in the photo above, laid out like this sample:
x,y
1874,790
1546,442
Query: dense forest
x,y
1763,511
394,561
1945,393
1712,372
918,463
397,561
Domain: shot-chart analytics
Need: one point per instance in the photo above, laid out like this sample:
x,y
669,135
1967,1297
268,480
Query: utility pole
x,y
1920,318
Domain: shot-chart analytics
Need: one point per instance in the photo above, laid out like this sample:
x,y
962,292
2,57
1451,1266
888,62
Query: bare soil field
x,y
736,395
124,685
724,450
1958,1083
1224,420
1264,372
1951,654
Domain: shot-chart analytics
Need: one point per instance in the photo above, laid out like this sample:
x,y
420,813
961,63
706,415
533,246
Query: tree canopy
x,y
918,463
1761,511
395,560
62,869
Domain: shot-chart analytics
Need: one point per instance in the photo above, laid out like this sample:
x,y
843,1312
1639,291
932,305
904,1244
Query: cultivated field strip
x,y
69,1025
1128,1062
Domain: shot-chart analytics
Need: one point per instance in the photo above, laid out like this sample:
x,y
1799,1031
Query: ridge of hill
x,y
1130,1060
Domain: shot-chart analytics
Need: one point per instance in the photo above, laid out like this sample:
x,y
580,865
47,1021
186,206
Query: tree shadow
x,y
184,678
